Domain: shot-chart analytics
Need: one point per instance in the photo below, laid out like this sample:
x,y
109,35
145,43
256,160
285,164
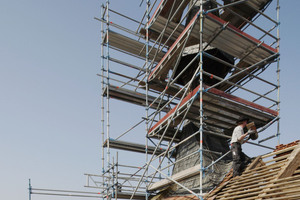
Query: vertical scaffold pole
x,y
102,97
107,83
117,178
30,189
201,96
107,96
278,72
147,88
113,178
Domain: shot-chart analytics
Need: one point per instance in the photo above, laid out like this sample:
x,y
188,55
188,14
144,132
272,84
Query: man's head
x,y
242,121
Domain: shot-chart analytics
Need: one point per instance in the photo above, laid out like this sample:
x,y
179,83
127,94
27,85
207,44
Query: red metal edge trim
x,y
155,11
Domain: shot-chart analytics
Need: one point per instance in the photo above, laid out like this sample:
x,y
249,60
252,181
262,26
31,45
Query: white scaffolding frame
x,y
168,98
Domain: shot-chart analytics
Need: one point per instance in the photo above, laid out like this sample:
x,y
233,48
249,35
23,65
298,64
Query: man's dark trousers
x,y
240,160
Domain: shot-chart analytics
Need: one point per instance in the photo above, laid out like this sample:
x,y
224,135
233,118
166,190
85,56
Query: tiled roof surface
x,y
273,176
182,198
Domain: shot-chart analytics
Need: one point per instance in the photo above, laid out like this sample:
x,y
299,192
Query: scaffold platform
x,y
131,46
131,96
219,34
221,110
134,147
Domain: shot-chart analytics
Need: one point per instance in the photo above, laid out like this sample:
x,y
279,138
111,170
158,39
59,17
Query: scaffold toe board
x,y
134,147
131,46
131,96
230,40
221,110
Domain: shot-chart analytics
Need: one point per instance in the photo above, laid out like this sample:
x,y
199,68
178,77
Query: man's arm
x,y
243,136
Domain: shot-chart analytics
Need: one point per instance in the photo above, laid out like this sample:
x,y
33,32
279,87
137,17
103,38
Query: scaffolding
x,y
171,47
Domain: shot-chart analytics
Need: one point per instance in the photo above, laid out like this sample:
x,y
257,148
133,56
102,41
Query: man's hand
x,y
251,131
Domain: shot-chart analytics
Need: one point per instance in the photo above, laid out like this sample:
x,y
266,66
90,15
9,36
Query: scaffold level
x,y
222,110
134,147
130,96
229,39
131,46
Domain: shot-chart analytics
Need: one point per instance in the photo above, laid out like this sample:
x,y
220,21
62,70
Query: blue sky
x,y
50,94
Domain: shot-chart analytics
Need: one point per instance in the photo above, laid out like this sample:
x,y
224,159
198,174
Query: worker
x,y
240,160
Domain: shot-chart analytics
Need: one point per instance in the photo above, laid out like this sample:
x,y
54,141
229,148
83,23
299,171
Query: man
x,y
238,138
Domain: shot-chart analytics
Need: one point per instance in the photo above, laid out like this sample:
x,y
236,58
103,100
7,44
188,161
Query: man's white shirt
x,y
237,133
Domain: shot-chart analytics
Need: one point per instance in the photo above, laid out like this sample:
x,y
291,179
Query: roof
x,y
275,175
272,176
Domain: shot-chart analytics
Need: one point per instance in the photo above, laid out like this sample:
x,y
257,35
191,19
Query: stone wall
x,y
213,176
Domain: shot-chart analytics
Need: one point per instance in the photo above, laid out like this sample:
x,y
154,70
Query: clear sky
x,y
50,94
